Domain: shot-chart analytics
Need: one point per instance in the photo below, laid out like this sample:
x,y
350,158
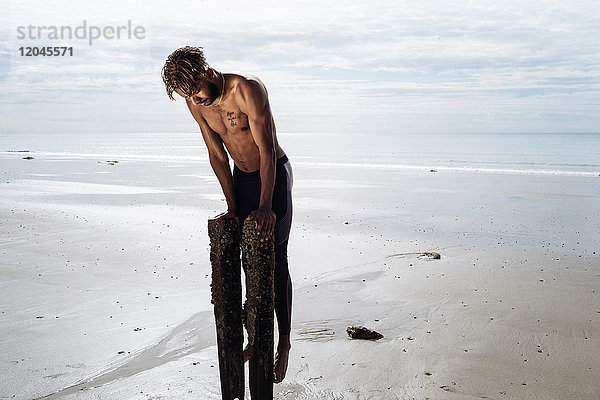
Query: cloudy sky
x,y
330,66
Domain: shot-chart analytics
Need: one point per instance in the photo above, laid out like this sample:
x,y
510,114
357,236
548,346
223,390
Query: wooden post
x,y
226,290
259,259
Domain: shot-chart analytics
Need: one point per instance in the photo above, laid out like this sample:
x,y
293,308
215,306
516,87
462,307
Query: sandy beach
x,y
105,279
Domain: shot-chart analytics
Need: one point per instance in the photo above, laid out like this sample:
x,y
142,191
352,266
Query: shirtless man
x,y
234,111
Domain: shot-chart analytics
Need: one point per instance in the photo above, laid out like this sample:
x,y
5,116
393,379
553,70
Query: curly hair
x,y
184,69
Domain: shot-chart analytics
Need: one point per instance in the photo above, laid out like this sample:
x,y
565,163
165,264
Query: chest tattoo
x,y
231,118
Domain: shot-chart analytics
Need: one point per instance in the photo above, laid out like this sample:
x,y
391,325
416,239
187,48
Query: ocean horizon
x,y
572,154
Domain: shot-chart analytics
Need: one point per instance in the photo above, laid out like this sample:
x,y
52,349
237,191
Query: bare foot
x,y
281,358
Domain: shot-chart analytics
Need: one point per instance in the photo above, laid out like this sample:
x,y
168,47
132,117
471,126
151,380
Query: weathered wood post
x,y
226,290
259,259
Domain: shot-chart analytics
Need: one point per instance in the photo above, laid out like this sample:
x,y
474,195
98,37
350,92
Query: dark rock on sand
x,y
431,254
360,332
426,254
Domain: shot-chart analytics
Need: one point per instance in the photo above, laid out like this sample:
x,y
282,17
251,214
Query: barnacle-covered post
x,y
226,290
259,259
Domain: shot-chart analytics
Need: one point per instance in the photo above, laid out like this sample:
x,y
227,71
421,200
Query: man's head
x,y
186,73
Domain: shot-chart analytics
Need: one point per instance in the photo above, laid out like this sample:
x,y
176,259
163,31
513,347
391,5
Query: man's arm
x,y
219,160
255,104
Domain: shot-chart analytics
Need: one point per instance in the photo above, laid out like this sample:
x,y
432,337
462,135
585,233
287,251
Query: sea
x,y
573,154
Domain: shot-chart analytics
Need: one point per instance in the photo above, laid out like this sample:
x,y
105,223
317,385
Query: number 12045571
x,y
48,51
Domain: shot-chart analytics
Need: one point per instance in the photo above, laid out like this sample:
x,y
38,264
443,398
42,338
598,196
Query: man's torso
x,y
231,124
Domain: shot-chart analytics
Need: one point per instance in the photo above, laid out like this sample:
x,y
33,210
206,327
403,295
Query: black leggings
x,y
246,186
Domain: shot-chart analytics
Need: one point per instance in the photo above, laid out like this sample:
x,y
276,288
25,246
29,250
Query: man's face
x,y
205,95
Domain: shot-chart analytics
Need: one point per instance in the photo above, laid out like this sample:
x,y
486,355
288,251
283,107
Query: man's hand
x,y
227,214
266,222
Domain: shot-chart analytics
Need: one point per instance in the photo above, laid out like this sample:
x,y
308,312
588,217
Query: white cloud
x,y
513,64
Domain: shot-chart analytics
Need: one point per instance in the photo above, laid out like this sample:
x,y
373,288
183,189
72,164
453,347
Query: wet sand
x,y
105,282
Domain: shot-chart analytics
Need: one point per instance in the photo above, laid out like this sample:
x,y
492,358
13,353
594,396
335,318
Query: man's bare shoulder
x,y
256,80
250,91
247,79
